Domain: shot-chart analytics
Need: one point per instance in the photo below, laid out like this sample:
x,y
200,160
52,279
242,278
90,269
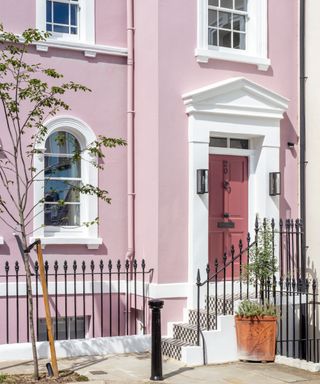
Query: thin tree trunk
x,y
30,313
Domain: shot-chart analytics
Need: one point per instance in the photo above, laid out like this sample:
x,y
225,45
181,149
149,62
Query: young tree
x,y
29,94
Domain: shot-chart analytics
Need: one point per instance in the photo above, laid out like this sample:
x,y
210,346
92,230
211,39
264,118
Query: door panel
x,y
228,205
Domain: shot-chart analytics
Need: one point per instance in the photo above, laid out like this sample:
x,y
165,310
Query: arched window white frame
x,y
67,234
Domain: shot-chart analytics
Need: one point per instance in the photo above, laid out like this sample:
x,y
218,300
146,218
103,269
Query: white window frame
x,y
256,51
88,204
86,21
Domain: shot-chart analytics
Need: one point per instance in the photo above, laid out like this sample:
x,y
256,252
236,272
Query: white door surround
x,y
238,108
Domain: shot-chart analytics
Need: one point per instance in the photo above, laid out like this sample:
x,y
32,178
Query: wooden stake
x,y
47,310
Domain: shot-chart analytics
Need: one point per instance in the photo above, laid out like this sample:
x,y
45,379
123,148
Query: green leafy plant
x,y
263,265
3,377
249,308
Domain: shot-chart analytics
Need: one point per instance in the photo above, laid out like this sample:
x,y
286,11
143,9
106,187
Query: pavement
x,y
135,368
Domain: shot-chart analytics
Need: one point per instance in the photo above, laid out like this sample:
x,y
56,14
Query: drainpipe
x,y
302,137
303,320
130,129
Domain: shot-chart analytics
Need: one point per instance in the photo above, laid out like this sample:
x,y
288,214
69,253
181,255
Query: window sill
x,y
204,55
90,242
89,50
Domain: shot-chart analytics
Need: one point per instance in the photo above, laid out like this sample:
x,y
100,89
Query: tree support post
x,y
37,243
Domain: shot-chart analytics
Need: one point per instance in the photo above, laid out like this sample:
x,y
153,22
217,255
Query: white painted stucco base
x,y
82,347
220,345
296,363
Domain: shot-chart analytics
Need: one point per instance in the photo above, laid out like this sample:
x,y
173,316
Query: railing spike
x,y
198,277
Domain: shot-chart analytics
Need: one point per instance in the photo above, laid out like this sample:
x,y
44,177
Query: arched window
x,y
62,179
61,212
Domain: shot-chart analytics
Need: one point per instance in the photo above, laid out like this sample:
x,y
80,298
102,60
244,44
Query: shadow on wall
x,y
287,134
98,347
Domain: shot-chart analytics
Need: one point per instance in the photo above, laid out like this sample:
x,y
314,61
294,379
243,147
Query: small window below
x,y
66,328
225,142
221,142
239,143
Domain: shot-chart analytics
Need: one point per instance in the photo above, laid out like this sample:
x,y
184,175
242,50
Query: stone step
x,y
172,347
192,318
186,332
220,304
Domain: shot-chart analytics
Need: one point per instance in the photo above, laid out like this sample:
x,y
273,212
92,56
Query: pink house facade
x,y
191,85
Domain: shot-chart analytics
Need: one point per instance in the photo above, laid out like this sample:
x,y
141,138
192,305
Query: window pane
x,y
74,30
215,3
239,23
60,13
62,167
221,142
62,143
212,36
224,38
241,5
225,20
42,330
49,13
239,40
60,29
49,27
56,190
80,328
66,215
74,14
212,18
239,143
227,4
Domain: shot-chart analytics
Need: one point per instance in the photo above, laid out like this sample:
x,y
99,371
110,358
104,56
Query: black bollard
x,y
49,369
156,355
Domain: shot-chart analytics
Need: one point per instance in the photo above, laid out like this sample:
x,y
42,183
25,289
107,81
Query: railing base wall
x,y
78,347
297,363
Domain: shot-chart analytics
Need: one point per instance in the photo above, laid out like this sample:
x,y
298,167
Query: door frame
x,y
232,108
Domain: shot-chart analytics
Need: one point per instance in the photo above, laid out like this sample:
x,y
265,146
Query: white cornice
x,y
89,50
204,55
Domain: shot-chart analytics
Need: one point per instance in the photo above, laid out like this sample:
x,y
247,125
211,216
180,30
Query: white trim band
x,y
89,50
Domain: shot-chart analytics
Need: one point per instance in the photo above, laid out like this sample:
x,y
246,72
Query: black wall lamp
x,y
274,183
202,181
290,144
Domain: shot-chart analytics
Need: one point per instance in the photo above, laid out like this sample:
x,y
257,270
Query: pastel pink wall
x,y
110,19
165,69
104,110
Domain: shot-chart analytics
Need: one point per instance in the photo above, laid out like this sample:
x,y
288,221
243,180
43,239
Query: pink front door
x,y
228,205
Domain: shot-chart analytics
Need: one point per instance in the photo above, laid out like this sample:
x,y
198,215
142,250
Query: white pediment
x,y
236,96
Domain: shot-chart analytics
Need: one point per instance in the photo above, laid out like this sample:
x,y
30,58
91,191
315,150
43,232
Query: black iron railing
x,y
295,297
94,299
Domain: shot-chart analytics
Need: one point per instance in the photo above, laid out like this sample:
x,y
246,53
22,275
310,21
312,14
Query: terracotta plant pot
x,y
256,337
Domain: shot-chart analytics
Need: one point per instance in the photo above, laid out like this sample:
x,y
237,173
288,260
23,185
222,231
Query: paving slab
x,y
135,368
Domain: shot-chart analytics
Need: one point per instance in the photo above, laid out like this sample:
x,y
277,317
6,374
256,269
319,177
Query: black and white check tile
x,y
172,347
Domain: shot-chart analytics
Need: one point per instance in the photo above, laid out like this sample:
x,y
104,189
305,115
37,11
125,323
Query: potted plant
x,y
256,328
256,322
